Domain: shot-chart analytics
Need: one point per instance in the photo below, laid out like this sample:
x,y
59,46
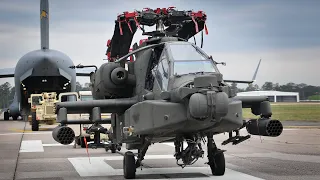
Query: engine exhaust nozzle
x,y
63,135
264,127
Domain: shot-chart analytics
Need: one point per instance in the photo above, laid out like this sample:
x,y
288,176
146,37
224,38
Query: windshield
x,y
65,98
185,52
36,100
187,67
86,97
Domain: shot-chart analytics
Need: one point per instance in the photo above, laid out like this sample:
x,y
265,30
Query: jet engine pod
x,y
63,135
264,127
119,75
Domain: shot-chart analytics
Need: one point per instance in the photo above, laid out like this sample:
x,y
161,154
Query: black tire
x,y
113,148
34,122
6,116
106,148
82,142
220,162
129,165
15,117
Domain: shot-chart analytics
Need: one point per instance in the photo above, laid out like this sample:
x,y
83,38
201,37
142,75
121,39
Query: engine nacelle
x,y
112,81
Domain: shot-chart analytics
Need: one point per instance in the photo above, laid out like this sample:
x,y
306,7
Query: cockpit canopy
x,y
188,58
181,58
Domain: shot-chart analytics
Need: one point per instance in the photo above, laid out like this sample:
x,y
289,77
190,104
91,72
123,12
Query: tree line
x,y
306,92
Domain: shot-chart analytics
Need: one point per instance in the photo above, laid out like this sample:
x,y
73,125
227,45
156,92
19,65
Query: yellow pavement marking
x,y
21,130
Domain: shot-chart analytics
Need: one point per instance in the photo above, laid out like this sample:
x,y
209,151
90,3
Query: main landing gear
x,y
130,164
189,155
215,157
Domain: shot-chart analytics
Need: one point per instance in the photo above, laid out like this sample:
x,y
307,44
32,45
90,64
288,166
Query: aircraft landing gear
x,y
113,147
6,116
130,164
215,157
34,122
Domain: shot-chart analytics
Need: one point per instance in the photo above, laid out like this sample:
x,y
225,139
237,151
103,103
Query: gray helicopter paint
x,y
166,118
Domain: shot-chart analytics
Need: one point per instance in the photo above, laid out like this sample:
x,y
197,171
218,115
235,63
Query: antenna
x,y
247,82
256,72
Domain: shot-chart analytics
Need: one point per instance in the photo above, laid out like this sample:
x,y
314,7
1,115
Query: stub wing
x,y
85,71
7,72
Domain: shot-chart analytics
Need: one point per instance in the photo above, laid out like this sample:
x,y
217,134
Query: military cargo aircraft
x,y
171,92
43,70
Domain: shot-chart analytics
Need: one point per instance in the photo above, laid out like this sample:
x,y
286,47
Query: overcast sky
x,y
285,34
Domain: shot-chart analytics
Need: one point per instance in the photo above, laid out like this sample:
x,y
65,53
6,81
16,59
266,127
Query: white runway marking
x,y
99,167
31,146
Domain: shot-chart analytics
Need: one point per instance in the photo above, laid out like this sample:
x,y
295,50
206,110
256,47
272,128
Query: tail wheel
x,y
6,116
34,122
218,164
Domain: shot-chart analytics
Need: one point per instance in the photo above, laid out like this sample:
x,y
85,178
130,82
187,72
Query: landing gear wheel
x,y
217,164
129,165
119,147
14,117
6,116
81,141
216,157
34,122
113,148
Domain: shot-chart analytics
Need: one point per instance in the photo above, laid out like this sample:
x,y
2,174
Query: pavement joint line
x,y
17,161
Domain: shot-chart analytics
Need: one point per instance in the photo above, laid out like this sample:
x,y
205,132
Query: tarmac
x,y
24,154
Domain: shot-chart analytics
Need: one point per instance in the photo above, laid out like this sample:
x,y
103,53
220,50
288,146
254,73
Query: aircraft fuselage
x,y
43,70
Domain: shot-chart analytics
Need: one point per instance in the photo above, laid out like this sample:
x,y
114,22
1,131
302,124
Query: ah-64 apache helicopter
x,y
171,92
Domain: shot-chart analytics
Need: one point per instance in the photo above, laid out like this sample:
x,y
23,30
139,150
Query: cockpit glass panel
x,y
36,100
189,67
185,52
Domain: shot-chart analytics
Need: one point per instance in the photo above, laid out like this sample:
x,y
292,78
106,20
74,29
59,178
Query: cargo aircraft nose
x,y
46,67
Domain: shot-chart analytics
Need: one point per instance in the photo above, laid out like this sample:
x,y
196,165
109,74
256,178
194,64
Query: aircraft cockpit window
x,y
189,60
185,52
191,67
162,74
